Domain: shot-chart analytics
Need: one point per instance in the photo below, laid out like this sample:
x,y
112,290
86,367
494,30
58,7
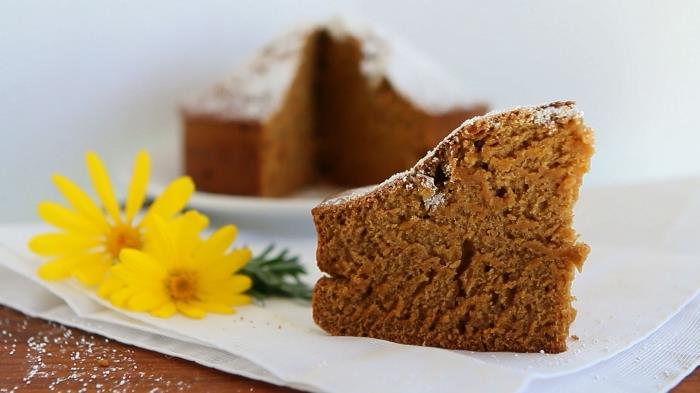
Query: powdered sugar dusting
x,y
375,50
257,90
415,75
348,195
435,198
408,179
550,115
434,201
58,358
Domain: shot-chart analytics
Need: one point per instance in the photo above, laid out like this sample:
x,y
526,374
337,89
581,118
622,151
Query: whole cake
x,y
472,248
334,102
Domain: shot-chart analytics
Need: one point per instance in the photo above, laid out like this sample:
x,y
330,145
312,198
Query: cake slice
x,y
472,248
308,104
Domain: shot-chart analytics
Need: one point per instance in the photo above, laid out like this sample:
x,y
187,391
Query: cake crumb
x,y
575,337
103,363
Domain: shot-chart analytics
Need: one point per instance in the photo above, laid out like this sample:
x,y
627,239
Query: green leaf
x,y
276,275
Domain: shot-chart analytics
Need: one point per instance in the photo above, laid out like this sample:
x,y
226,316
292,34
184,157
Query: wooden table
x,y
39,356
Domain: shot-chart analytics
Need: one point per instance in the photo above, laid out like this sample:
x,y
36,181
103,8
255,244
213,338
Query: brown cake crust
x,y
332,124
472,248
218,151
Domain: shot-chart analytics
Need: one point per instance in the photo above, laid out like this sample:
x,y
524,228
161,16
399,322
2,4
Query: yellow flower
x,y
90,237
179,271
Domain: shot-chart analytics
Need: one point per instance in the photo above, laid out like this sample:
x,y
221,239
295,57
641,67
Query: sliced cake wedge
x,y
472,248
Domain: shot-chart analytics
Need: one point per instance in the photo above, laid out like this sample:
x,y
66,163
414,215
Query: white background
x,y
86,74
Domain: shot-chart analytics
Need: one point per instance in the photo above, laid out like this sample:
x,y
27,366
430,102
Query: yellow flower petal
x,y
80,201
57,269
63,218
166,310
219,308
190,310
120,297
110,285
136,280
53,244
142,264
102,185
232,299
241,300
145,301
160,241
226,290
217,244
239,283
132,278
173,199
189,226
225,266
137,187
92,271
238,258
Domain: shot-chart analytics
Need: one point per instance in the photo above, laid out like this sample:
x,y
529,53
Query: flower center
x,y
122,236
182,285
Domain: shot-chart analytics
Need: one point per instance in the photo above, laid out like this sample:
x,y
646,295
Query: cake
x,y
472,248
334,102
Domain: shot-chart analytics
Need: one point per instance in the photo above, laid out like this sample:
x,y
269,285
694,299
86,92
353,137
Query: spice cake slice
x,y
472,248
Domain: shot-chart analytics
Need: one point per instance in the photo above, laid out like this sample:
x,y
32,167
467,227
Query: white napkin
x,y
640,274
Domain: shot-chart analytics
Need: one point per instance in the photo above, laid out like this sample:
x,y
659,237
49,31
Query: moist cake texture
x,y
336,102
472,248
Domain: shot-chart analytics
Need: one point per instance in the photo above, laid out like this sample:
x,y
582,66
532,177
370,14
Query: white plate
x,y
291,215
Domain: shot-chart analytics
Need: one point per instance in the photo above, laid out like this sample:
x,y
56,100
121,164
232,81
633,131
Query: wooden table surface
x,y
39,356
